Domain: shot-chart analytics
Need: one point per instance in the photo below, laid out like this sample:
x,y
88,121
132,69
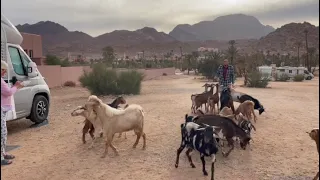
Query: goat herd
x,y
204,132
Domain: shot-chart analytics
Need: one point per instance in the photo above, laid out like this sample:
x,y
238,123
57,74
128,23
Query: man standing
x,y
225,73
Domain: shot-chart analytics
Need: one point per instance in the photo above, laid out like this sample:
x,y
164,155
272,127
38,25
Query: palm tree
x,y
311,53
232,51
299,44
307,63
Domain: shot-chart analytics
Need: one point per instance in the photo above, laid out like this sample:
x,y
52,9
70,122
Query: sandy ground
x,y
281,148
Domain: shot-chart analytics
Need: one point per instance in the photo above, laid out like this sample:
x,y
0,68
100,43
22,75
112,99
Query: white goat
x,y
117,121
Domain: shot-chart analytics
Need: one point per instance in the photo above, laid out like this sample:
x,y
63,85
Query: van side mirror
x,y
32,70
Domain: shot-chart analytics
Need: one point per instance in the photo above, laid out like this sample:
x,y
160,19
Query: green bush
x,y
298,78
257,80
282,78
103,81
129,82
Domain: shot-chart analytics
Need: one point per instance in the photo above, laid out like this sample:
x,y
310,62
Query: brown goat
x,y
314,135
88,126
246,108
213,100
193,96
203,98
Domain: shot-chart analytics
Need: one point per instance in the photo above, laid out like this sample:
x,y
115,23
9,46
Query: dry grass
x,y
281,148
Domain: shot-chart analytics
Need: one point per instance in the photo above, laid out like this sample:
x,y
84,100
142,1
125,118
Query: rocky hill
x,y
236,26
285,38
56,38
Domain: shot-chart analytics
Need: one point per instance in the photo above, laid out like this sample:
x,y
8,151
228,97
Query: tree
x,y
299,44
208,67
52,60
311,53
108,55
232,51
307,63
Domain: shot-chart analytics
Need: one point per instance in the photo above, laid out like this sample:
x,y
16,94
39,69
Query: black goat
x,y
229,130
257,105
195,137
226,99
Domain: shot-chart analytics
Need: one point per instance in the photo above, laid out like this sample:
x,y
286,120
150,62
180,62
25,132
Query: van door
x,y
22,96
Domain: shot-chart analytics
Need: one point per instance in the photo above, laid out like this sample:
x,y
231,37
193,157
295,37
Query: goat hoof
x,y
176,165
103,156
193,166
144,148
90,147
224,154
205,173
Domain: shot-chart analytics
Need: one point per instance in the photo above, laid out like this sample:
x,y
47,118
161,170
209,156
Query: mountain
x,y
286,37
125,37
58,39
55,36
229,27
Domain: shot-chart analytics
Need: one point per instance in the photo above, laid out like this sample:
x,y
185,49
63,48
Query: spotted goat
x,y
200,138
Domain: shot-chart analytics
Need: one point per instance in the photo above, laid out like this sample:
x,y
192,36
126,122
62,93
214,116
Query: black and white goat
x,y
196,137
247,126
242,97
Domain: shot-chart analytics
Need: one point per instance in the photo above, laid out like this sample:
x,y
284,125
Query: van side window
x,y
16,61
25,60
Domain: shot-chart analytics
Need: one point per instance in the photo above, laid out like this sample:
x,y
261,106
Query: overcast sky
x,y
96,17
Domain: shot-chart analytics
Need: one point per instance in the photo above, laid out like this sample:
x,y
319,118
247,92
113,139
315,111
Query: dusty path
x,y
281,148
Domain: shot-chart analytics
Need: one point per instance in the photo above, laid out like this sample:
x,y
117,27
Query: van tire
x,y
40,109
308,78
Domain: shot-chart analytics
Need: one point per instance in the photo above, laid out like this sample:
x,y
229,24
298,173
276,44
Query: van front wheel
x,y
40,109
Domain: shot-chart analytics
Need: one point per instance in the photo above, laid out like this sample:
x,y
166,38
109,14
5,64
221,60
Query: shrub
x,y
103,81
69,84
282,78
129,82
256,79
298,78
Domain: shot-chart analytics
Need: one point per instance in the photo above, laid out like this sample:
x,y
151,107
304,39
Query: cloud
x,y
99,16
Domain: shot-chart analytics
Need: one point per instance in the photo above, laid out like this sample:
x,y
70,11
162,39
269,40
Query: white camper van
x,y
266,71
32,101
293,71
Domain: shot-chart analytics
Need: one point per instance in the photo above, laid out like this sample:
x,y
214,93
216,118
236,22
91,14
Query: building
x,y
32,45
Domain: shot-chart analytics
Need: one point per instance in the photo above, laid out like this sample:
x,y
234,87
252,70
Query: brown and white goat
x,y
314,135
214,100
247,108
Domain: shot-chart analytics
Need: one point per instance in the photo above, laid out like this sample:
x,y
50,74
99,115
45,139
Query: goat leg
x,y
189,158
125,135
104,154
317,176
114,149
203,165
144,140
120,134
85,130
212,166
179,150
93,142
137,140
231,143
254,116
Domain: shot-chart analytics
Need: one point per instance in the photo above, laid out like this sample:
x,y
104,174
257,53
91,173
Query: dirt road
x,y
281,147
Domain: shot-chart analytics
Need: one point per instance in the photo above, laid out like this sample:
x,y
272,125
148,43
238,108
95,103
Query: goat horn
x,y
253,127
